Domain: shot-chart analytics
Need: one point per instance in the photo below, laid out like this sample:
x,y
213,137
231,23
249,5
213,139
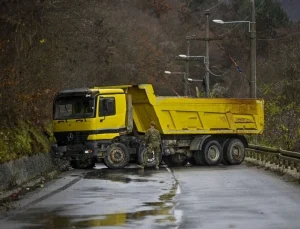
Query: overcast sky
x,y
293,8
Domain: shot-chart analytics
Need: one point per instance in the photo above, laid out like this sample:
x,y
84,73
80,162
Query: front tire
x,y
192,160
117,156
82,164
198,157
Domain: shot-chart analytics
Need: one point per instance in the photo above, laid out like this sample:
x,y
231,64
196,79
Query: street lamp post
x,y
206,76
191,57
252,30
187,57
186,79
193,80
207,87
232,22
253,51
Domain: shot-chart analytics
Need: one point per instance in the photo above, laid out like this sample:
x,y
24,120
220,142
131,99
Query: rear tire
x,y
224,148
234,153
198,157
192,160
117,156
212,152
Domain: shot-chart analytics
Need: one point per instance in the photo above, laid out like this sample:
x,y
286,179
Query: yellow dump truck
x,y
108,123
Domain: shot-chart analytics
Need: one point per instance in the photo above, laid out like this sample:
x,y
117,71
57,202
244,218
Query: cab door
x,y
111,113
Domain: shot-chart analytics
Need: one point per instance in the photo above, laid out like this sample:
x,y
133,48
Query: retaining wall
x,y
15,173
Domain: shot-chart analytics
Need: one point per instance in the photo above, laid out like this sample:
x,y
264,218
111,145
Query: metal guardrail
x,y
276,156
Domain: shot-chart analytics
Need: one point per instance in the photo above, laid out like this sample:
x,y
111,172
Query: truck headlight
x,y
88,151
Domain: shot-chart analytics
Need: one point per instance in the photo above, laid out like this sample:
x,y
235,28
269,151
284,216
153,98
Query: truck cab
x,y
85,122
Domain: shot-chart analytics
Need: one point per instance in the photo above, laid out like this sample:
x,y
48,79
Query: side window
x,y
107,107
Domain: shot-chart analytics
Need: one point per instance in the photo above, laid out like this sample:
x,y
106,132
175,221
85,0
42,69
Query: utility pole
x,y
187,69
207,39
253,50
207,90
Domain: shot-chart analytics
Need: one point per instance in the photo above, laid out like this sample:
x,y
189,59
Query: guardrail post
x,y
271,159
292,165
276,160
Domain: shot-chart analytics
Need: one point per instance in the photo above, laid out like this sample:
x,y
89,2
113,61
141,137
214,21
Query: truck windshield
x,y
74,107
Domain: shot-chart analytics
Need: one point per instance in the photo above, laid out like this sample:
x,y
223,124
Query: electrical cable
x,y
216,10
217,74
216,5
175,92
219,4
278,38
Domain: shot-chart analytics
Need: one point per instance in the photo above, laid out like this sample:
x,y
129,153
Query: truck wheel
x,y
224,148
192,161
104,163
198,156
74,164
166,160
117,156
234,153
83,164
151,160
90,165
212,153
178,159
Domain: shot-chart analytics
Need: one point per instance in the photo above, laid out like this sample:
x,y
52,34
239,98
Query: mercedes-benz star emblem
x,y
70,137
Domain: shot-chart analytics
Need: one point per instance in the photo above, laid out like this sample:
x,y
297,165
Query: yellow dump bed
x,y
182,115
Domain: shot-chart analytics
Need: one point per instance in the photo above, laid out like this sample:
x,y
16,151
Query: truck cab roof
x,y
89,91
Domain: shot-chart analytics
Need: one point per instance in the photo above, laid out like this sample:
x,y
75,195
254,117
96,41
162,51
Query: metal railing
x,y
276,156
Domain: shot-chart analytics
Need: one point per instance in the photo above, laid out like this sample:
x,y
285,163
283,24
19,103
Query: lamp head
x,y
218,21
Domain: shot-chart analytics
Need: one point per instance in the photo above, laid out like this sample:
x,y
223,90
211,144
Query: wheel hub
x,y
236,152
151,158
213,153
117,155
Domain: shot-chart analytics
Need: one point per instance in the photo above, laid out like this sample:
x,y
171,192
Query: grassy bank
x,y
25,139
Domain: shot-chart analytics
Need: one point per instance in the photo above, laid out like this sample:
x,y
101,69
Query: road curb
x,y
6,196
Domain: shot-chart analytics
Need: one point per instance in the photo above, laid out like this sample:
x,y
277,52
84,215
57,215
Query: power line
x,y
278,38
217,74
219,4
216,5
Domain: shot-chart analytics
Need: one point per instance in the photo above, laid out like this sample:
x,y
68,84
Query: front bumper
x,y
75,152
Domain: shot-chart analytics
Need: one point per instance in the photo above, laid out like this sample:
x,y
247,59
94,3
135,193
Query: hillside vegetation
x,y
50,45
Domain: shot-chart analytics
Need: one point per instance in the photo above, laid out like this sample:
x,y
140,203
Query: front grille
x,y
71,138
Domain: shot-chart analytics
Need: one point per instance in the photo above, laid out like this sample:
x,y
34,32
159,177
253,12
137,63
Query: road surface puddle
x,y
119,175
163,212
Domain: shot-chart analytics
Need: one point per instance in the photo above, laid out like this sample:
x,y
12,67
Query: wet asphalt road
x,y
189,197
